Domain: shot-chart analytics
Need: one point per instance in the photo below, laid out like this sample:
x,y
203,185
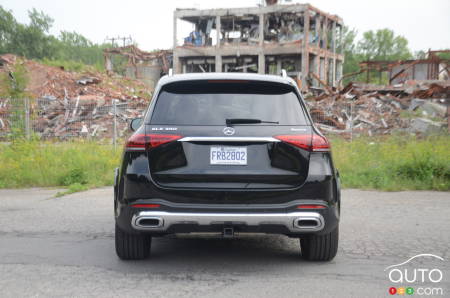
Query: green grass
x,y
388,163
76,187
71,65
394,163
77,165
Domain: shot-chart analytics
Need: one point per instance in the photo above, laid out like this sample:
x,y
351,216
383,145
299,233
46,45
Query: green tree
x,y
30,41
382,45
76,47
33,41
7,28
351,57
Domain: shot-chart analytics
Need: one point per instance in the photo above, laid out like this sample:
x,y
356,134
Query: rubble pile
x,y
74,104
50,117
53,118
415,106
53,81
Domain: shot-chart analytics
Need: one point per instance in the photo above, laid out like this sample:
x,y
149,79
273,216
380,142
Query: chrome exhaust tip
x,y
149,222
309,223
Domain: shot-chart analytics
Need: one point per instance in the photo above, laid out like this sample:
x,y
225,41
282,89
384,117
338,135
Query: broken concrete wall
x,y
149,74
418,71
145,66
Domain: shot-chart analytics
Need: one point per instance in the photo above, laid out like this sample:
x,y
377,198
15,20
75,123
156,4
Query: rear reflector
x,y
146,206
311,207
320,144
148,141
136,141
314,142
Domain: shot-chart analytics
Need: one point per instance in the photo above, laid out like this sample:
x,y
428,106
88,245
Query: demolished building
x,y
266,39
432,67
145,66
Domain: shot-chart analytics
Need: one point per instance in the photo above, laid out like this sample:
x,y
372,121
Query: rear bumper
x,y
171,218
162,221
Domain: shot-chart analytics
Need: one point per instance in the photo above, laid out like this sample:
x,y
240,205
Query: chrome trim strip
x,y
228,139
251,219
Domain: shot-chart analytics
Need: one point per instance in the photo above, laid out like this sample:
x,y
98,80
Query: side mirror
x,y
135,124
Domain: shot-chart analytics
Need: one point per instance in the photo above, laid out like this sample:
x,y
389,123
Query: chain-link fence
x,y
350,119
50,118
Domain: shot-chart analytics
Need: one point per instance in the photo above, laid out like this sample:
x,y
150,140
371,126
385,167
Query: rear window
x,y
212,102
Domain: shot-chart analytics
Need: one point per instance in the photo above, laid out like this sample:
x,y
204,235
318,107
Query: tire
x,y
320,247
131,246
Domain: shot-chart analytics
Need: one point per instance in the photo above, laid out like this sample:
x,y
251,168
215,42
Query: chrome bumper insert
x,y
160,221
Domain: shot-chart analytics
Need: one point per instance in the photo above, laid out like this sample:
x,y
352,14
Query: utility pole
x,y
125,41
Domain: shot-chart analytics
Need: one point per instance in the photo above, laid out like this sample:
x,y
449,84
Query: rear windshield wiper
x,y
247,121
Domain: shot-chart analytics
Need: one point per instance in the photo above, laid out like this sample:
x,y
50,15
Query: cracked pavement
x,y
65,247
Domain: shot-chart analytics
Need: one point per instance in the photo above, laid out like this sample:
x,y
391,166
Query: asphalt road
x,y
65,247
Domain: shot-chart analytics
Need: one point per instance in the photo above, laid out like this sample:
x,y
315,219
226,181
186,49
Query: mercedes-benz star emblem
x,y
228,131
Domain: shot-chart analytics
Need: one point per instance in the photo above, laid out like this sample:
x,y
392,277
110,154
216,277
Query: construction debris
x,y
370,109
85,118
147,67
88,80
433,67
71,104
426,126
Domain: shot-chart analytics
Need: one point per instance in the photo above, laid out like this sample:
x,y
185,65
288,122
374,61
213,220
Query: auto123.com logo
x,y
419,275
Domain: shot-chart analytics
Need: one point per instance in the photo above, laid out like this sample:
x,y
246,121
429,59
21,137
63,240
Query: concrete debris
x,y
426,126
85,118
432,67
147,67
45,82
69,104
369,109
433,109
88,80
415,103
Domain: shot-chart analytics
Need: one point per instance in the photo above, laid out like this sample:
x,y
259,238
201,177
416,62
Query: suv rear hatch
x,y
192,146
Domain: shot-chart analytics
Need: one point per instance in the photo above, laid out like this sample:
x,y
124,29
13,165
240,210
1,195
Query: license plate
x,y
220,155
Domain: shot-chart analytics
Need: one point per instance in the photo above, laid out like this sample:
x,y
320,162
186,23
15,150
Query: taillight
x,y
148,141
136,142
320,144
314,143
300,141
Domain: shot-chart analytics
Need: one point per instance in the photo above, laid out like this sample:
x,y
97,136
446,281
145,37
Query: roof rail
x,y
284,73
170,72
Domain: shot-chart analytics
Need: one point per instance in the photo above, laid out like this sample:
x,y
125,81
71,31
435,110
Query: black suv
x,y
227,153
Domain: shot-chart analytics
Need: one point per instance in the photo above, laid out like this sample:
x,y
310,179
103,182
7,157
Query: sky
x,y
426,24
